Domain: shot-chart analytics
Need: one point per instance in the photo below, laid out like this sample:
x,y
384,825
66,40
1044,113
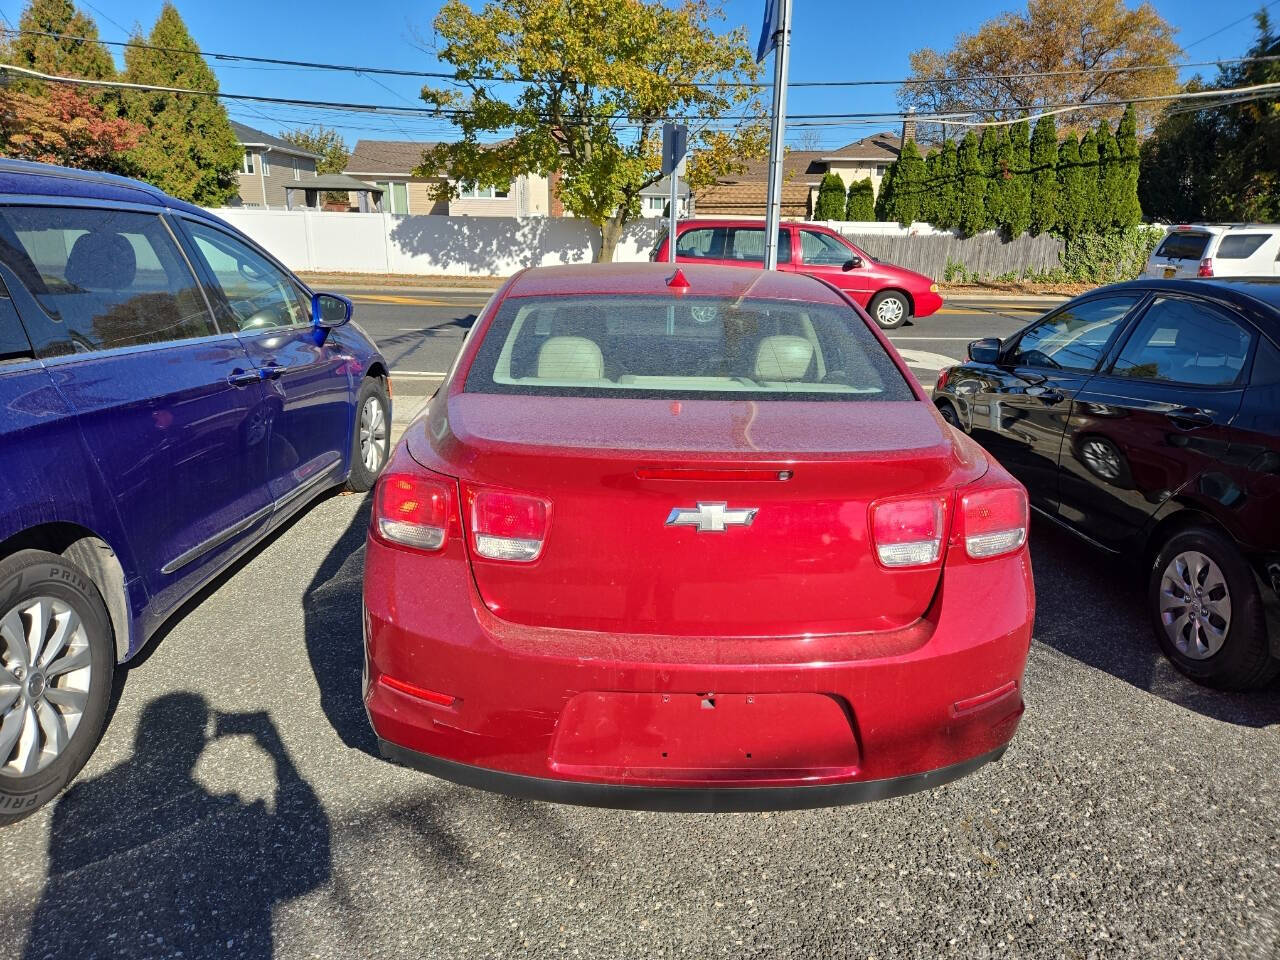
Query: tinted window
x,y
1075,337
13,339
694,347
1266,364
1241,246
1185,341
1183,246
104,278
705,244
821,249
747,244
259,294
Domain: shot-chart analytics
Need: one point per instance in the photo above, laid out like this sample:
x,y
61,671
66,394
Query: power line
x,y
1210,36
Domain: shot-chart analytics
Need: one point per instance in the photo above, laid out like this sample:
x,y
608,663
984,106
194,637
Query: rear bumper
x,y
925,304
683,799
519,706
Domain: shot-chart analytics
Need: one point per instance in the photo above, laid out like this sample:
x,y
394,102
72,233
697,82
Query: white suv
x,y
1217,250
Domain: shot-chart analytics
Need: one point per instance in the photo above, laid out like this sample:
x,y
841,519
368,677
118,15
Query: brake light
x,y
943,376
995,521
1206,267
412,510
908,532
508,526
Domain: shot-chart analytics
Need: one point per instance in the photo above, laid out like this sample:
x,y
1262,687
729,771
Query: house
x,y
746,194
390,164
655,197
269,163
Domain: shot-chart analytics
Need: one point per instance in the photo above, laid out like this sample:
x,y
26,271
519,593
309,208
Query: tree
x,y
971,207
1072,214
946,187
597,79
1017,184
861,201
831,197
1052,36
58,55
908,184
929,193
1220,162
1091,212
1128,212
326,142
63,126
886,202
189,149
1044,176
989,158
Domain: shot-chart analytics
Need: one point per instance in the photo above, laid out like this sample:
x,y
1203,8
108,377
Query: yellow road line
x,y
400,299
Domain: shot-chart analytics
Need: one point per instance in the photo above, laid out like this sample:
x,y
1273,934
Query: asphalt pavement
x,y
236,808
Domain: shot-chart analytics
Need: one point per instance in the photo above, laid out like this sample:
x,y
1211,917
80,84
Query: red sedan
x,y
691,539
892,295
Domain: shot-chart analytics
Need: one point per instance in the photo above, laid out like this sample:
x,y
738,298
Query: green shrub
x,y
830,205
860,204
1091,257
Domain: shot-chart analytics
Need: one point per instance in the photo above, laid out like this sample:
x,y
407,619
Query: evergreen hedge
x,y
830,205
860,204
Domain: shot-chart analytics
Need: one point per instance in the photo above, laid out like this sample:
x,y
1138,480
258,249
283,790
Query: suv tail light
x,y
507,526
412,510
994,520
1206,267
908,532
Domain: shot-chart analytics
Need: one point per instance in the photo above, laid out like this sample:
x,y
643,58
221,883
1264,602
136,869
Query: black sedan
x,y
1145,417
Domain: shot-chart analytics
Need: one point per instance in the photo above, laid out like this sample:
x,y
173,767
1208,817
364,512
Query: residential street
x,y
1134,815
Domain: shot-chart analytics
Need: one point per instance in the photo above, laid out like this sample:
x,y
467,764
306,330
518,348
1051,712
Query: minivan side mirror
x,y
329,310
853,263
986,350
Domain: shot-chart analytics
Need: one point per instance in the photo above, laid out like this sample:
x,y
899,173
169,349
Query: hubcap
x,y
45,669
1195,605
373,434
890,310
1101,458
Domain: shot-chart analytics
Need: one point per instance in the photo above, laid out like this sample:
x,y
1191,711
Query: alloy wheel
x,y
373,434
45,670
1195,605
1102,458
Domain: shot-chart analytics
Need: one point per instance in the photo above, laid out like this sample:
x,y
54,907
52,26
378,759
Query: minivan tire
x,y
372,414
29,575
1244,660
896,308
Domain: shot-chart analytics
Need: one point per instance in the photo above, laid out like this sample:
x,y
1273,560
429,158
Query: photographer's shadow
x,y
145,861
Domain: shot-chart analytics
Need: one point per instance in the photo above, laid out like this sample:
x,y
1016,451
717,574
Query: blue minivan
x,y
169,395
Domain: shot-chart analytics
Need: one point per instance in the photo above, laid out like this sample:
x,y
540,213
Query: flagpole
x,y
778,129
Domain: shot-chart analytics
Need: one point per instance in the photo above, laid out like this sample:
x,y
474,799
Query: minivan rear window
x,y
696,347
1183,246
1241,246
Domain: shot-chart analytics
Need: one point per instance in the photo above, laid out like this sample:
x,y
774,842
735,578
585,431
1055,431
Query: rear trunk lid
x,y
640,543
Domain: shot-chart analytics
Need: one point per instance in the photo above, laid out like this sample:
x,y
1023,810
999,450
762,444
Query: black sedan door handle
x,y
241,378
1190,417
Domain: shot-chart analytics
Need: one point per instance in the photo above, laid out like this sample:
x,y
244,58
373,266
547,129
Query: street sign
x,y
769,32
675,144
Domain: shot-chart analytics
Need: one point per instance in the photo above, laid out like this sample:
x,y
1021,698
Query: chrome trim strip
x,y
200,549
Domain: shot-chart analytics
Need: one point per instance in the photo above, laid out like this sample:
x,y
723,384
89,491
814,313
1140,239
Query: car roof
x,y
1250,293
27,178
639,279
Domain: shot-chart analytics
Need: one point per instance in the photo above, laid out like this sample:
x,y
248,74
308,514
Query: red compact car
x,y
691,539
892,295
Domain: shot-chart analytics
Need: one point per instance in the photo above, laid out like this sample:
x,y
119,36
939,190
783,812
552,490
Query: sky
x,y
831,40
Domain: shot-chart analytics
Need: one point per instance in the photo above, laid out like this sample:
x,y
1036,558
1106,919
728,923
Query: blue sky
x,y
830,41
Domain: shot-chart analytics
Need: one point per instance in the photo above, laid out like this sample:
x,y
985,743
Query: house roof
x,y
398,157
798,167
663,188
333,181
879,146
249,137
751,199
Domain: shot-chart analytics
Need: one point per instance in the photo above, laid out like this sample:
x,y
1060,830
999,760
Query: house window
x,y
655,205
395,195
247,166
297,169
469,191
266,166
881,169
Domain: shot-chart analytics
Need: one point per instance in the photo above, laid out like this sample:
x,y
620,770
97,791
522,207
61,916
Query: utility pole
x,y
778,27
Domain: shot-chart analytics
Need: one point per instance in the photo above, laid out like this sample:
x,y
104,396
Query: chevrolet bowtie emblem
x,y
711,517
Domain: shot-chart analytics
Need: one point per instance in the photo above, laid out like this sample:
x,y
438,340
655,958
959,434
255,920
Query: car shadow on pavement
x,y
145,860
331,609
1093,607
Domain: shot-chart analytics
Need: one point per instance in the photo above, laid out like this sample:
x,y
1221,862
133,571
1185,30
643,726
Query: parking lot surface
x,y
237,808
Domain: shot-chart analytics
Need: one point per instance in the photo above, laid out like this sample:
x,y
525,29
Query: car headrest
x,y
101,261
783,358
570,358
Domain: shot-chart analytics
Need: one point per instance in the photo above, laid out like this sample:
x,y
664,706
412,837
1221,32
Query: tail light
x,y
994,520
908,532
412,510
507,526
1206,267
943,376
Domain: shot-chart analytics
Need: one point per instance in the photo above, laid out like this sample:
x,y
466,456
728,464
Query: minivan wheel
x,y
57,661
889,309
371,440
1207,612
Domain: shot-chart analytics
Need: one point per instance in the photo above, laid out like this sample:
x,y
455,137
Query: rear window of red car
x,y
703,348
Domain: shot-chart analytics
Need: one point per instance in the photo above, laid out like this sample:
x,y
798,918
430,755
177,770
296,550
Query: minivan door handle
x,y
241,378
1188,418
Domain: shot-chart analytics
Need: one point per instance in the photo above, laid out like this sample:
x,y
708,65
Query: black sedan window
x,y
1185,341
1075,337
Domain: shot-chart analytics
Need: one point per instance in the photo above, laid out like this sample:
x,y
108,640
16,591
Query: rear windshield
x,y
1183,246
700,348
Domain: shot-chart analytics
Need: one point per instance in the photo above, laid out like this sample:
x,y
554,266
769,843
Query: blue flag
x,y
769,32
